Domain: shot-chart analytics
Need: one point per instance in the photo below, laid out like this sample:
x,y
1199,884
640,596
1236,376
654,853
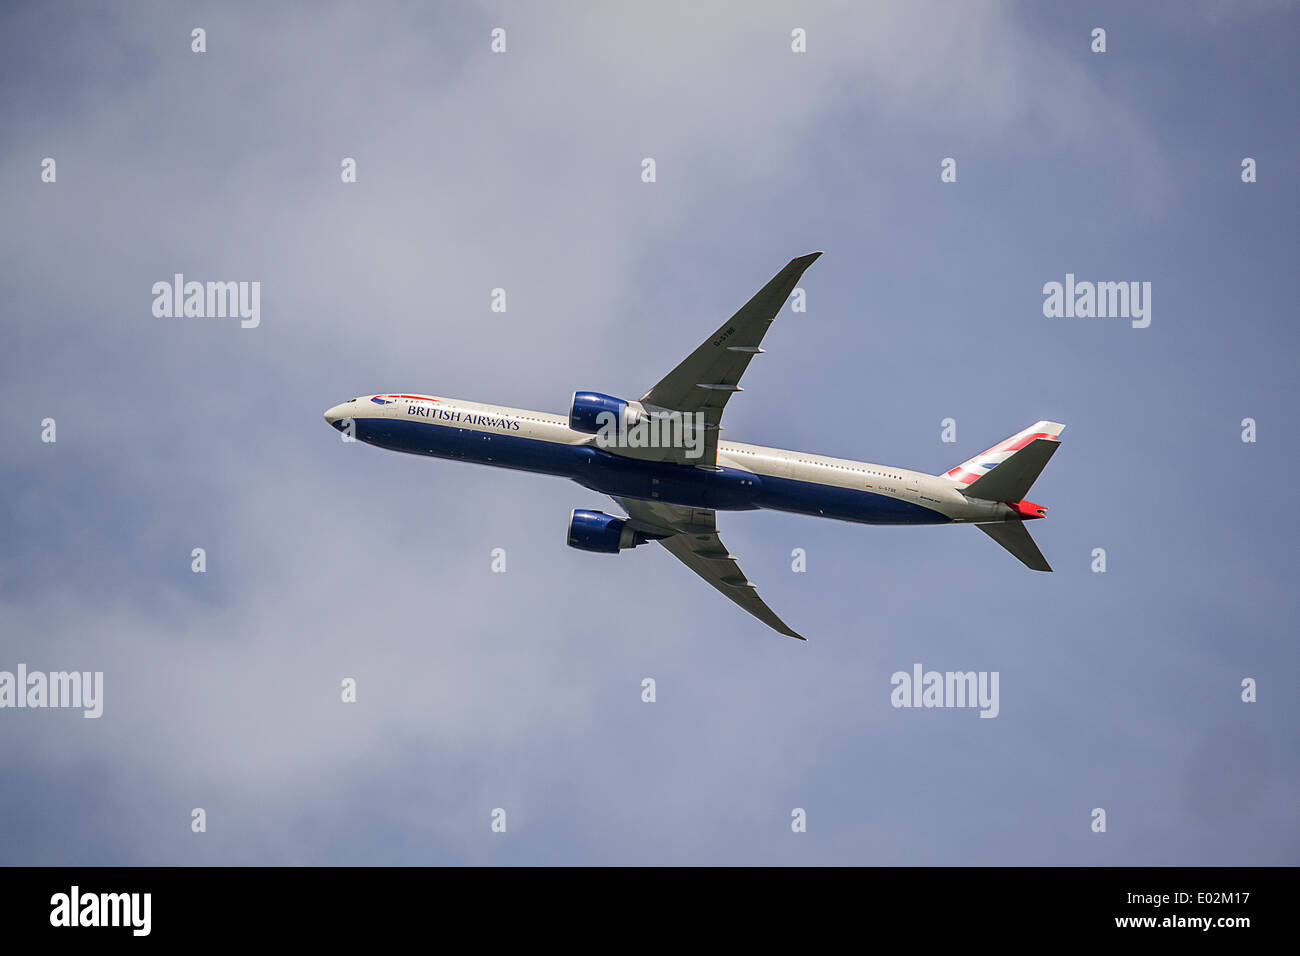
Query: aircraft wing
x,y
692,537
708,376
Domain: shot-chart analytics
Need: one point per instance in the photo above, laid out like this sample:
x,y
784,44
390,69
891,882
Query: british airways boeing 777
x,y
660,458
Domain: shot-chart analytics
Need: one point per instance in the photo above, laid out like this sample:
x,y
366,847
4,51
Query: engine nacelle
x,y
602,533
587,408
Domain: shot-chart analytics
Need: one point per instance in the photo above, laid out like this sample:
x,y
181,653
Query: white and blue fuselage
x,y
746,477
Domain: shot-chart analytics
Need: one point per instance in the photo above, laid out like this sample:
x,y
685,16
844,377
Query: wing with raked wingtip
x,y
709,376
691,536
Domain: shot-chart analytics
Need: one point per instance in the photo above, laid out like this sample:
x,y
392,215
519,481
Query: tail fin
x,y
1005,473
1012,479
978,466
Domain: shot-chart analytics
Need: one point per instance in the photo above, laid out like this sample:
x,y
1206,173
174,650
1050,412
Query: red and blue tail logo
x,y
982,463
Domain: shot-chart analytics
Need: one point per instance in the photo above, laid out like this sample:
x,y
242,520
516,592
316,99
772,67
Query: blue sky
x,y
523,690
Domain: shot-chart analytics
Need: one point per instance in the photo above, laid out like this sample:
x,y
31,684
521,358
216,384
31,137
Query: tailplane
x,y
1005,473
1015,537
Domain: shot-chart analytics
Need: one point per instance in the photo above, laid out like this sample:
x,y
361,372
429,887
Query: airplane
x,y
662,461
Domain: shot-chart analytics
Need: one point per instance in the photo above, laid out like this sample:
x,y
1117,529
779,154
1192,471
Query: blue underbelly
x,y
728,489
846,504
463,444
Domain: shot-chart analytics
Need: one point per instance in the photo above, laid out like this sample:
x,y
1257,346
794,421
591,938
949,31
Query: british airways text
x,y
455,415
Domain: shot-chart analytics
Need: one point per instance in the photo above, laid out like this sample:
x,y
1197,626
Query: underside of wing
x,y
690,535
708,377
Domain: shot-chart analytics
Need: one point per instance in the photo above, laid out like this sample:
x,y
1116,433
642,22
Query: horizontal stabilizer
x,y
1012,478
1015,537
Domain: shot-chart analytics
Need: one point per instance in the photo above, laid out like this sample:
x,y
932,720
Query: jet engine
x,y
587,408
602,533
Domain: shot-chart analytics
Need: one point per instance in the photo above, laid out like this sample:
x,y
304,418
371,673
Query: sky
x,y
522,691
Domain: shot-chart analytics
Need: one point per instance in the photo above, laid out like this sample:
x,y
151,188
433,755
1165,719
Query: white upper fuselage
x,y
484,433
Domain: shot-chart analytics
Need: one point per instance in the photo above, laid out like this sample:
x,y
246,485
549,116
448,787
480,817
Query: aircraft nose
x,y
336,414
